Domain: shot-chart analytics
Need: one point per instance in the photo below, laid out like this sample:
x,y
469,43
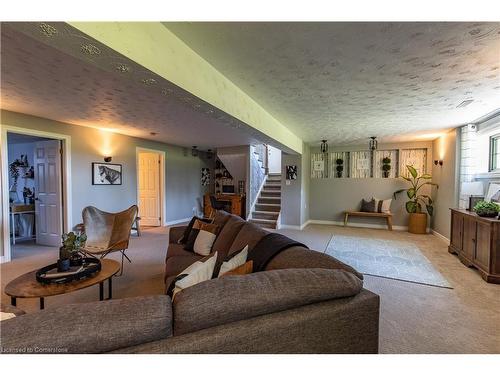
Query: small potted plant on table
x,y
486,209
69,252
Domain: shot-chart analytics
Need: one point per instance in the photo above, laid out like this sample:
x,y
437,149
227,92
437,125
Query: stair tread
x,y
263,220
266,212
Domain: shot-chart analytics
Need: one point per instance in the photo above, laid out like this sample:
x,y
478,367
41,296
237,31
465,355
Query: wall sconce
x,y
440,162
107,159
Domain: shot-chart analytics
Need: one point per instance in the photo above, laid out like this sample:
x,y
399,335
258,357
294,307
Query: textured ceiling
x,y
54,71
348,81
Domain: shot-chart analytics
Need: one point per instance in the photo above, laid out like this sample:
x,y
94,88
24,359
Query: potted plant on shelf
x,y
340,167
386,167
69,252
418,220
486,209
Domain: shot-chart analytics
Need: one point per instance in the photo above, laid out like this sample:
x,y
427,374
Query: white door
x,y
48,202
273,159
149,189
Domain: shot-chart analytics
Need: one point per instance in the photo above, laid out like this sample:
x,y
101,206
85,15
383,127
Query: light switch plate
x,y
288,182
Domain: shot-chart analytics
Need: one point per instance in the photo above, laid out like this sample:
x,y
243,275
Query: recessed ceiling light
x,y
465,103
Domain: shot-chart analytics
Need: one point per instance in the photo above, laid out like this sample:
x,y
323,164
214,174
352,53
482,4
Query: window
x,y
495,152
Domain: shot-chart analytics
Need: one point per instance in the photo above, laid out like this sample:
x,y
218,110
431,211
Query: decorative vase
x,y
63,265
339,174
487,214
76,260
385,174
417,223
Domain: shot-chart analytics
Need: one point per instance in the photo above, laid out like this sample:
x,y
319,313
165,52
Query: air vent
x,y
465,103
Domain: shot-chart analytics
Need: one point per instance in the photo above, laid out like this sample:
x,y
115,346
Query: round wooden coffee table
x,y
26,286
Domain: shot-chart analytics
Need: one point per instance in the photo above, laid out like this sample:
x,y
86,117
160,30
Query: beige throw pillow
x,y
236,261
196,273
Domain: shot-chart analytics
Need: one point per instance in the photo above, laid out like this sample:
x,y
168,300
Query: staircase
x,y
268,206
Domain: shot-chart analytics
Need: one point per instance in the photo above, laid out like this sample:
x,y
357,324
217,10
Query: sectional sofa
x,y
304,302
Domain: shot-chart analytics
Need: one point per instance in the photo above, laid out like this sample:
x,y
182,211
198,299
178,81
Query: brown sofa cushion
x,y
176,250
233,298
177,264
249,235
227,235
299,257
175,233
221,217
94,327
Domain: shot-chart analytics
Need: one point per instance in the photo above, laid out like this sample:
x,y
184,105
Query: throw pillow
x,y
368,206
5,316
201,238
195,274
383,205
233,261
244,269
188,229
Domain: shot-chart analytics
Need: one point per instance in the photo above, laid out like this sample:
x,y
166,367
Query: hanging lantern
x,y
324,146
373,143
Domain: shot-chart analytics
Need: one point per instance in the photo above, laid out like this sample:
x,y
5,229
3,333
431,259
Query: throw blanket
x,y
268,247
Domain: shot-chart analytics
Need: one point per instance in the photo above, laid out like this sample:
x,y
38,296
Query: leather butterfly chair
x,y
107,232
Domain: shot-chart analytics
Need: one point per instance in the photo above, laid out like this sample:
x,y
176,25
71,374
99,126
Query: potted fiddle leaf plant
x,y
417,219
486,209
69,252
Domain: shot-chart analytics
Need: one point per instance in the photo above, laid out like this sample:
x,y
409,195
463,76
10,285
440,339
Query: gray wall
x,y
182,171
329,197
447,177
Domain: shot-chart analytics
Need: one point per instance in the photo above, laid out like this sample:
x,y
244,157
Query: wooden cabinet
x,y
476,241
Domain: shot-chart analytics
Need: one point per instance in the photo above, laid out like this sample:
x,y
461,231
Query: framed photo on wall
x,y
106,174
291,172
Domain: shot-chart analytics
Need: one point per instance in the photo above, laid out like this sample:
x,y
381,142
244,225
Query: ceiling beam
x,y
153,46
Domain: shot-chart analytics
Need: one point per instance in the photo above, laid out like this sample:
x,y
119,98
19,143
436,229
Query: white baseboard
x,y
296,227
440,236
173,222
357,225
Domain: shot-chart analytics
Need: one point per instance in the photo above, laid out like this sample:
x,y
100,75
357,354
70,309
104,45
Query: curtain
x,y
318,165
359,164
468,162
416,157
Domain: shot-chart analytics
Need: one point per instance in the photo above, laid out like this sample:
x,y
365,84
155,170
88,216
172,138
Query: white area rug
x,y
391,259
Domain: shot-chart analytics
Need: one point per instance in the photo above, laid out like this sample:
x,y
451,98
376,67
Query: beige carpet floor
x,y
414,318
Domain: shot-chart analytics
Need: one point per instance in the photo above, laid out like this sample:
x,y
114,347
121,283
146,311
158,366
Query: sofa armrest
x,y
175,233
94,327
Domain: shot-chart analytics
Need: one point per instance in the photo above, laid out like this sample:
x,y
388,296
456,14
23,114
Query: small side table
x,y
26,286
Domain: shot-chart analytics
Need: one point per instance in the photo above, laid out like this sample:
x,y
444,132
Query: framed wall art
x,y
106,174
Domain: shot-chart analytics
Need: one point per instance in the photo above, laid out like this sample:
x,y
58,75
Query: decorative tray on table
x,y
50,275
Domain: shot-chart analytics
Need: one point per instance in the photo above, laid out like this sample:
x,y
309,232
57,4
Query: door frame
x,y
66,199
162,154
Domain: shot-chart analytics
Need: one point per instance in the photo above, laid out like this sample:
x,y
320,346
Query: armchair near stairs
x,y
107,232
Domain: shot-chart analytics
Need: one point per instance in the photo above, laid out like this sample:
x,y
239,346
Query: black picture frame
x,y
104,176
291,172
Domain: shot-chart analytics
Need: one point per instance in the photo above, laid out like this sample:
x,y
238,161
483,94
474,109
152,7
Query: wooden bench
x,y
384,215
